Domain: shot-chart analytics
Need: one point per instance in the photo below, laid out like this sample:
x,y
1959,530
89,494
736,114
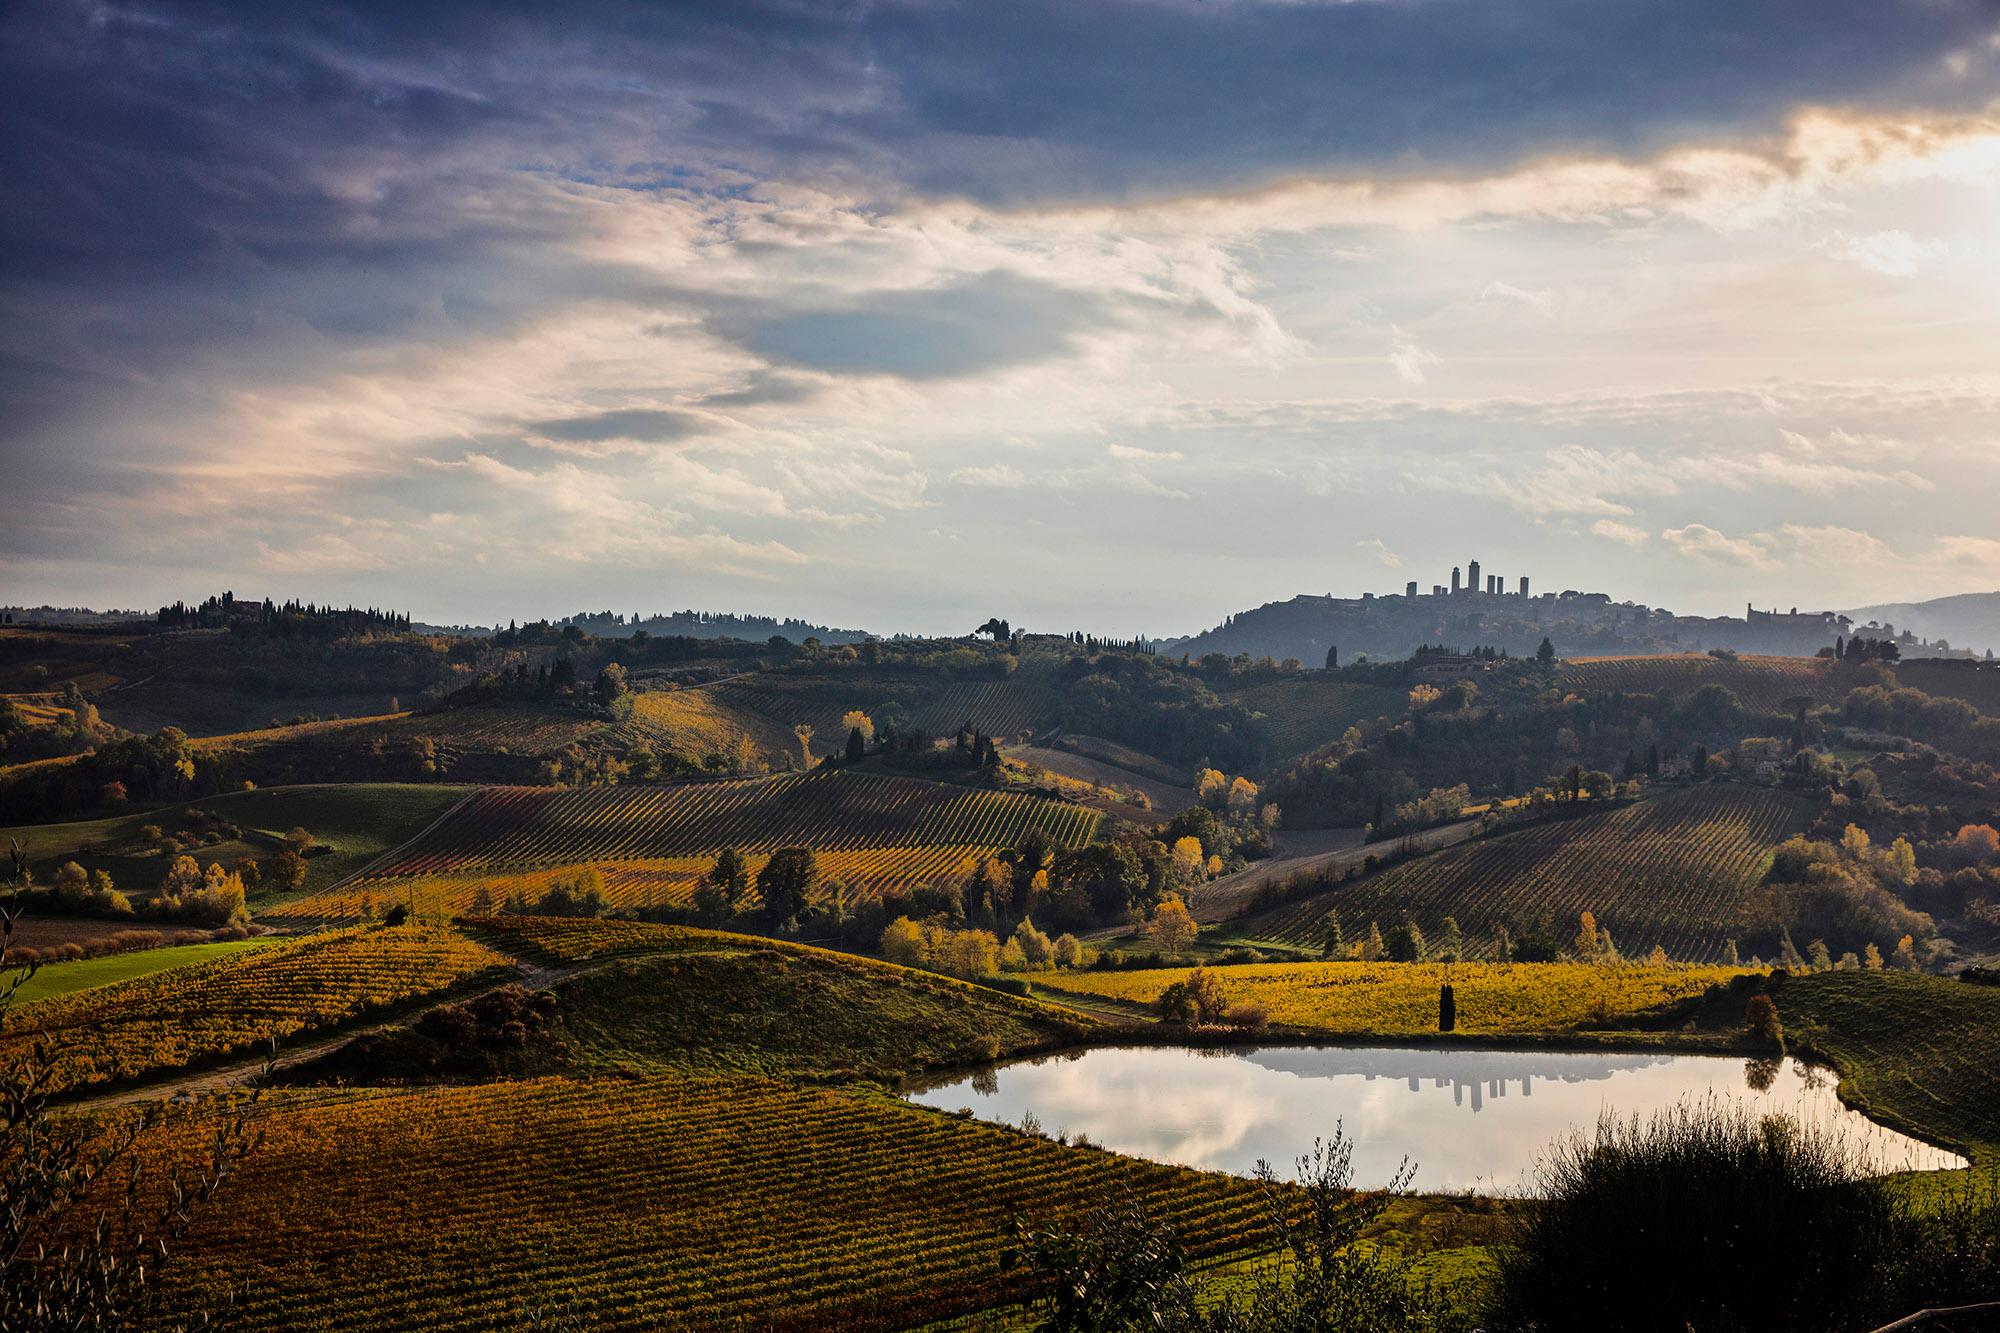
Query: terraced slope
x,y
683,1202
1673,871
235,1005
652,843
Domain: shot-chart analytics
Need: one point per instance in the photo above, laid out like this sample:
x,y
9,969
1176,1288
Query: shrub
x,y
1249,1016
1760,1020
1701,1217
1193,1001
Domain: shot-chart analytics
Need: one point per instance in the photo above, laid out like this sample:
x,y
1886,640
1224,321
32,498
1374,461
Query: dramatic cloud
x,y
485,314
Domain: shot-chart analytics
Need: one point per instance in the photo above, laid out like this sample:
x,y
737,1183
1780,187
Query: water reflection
x,y
1470,1119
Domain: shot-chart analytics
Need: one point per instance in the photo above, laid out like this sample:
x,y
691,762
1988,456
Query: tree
x,y
1188,862
785,883
804,732
1588,943
1194,1001
1871,959
1211,788
1546,653
1242,798
731,876
288,869
1373,948
856,720
1906,954
1336,940
857,748
1037,949
1172,927
903,942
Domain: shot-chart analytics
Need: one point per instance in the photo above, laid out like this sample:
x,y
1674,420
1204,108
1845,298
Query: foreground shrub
x,y
1706,1217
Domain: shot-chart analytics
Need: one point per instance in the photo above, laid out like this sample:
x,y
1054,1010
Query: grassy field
x,y
1401,999
652,843
1917,1051
1671,871
63,978
1763,684
679,1000
234,1005
717,1202
359,822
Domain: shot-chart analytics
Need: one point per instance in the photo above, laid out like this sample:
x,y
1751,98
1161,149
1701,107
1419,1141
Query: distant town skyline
x,y
1123,316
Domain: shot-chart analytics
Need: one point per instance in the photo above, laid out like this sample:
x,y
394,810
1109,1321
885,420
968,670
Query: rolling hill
x,y
652,843
1672,871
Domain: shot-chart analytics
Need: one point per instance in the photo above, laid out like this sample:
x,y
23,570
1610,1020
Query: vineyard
x,y
730,1202
699,722
1762,684
1672,871
652,843
187,1015
1401,999
1307,711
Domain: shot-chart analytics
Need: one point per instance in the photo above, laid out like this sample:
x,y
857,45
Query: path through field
x,y
1310,851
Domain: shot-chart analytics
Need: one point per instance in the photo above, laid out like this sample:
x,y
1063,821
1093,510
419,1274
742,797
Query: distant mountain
x,y
1968,620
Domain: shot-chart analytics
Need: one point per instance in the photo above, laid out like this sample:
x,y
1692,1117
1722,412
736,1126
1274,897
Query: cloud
x,y
1409,357
1387,558
1130,453
1705,545
643,425
1895,253
990,322
1613,530
999,476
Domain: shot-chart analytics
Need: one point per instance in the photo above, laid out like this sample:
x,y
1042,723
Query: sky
x,y
899,315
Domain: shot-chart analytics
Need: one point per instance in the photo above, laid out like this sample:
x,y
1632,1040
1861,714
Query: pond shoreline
x,y
1480,1119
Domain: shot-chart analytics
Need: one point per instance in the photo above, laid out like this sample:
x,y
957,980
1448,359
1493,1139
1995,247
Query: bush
x,y
1760,1020
1248,1016
1701,1217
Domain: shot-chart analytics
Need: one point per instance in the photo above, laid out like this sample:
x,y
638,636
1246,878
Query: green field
x,y
668,999
359,822
1917,1051
63,978
1673,870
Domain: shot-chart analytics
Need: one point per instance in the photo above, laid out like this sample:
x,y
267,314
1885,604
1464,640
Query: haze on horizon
x,y
899,315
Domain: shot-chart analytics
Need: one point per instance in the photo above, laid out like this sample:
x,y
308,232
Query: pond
x,y
1467,1118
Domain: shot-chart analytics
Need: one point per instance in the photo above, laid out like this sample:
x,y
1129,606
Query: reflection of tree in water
x,y
1761,1071
986,1083
1813,1076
